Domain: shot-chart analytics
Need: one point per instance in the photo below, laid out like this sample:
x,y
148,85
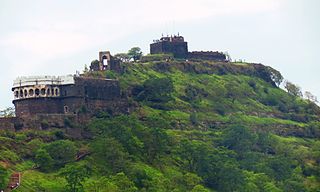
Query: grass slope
x,y
197,126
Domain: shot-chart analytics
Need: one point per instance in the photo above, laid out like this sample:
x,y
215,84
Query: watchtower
x,y
173,44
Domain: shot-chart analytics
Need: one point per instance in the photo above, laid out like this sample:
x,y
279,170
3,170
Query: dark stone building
x,y
179,48
64,95
174,45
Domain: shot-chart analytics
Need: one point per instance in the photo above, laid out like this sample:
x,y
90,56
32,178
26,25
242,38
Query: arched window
x,y
105,60
37,92
16,94
21,93
43,91
31,92
52,91
25,93
57,92
48,92
66,109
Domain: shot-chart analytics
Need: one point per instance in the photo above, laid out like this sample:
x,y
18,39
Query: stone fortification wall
x,y
7,123
178,49
28,107
207,55
101,89
39,121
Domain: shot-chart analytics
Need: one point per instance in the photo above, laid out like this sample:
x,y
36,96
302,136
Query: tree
x,y
95,65
109,154
33,146
123,182
85,70
199,188
188,152
310,97
234,91
219,169
228,57
62,152
4,177
100,185
156,143
275,75
124,57
239,138
155,90
293,89
135,53
75,176
43,160
7,112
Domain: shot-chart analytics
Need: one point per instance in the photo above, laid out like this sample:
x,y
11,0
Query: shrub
x,y
252,84
62,152
4,177
155,90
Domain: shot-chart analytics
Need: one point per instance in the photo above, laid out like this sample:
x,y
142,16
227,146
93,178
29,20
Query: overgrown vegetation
x,y
197,127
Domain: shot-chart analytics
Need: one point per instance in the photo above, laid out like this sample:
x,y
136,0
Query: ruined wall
x,y
207,55
106,62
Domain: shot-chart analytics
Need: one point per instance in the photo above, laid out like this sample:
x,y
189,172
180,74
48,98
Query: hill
x,y
194,126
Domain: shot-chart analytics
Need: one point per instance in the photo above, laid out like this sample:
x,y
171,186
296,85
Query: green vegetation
x,y
134,54
196,127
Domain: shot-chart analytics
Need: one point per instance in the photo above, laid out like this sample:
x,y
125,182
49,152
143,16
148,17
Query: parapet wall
x,y
8,123
39,121
207,55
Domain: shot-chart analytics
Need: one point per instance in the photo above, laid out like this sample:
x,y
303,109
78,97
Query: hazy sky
x,y
57,37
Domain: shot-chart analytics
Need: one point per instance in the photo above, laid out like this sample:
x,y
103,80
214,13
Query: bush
x,y
155,90
252,84
4,177
110,155
62,152
43,160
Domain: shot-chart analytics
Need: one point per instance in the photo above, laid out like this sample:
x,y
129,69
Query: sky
x,y
58,37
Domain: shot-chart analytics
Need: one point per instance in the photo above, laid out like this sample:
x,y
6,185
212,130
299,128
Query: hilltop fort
x,y
45,101
177,46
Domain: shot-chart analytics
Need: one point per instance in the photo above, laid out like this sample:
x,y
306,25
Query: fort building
x,y
48,101
173,44
62,94
52,99
177,46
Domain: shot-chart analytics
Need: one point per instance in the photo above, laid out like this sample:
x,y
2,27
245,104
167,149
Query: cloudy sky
x,y
57,37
